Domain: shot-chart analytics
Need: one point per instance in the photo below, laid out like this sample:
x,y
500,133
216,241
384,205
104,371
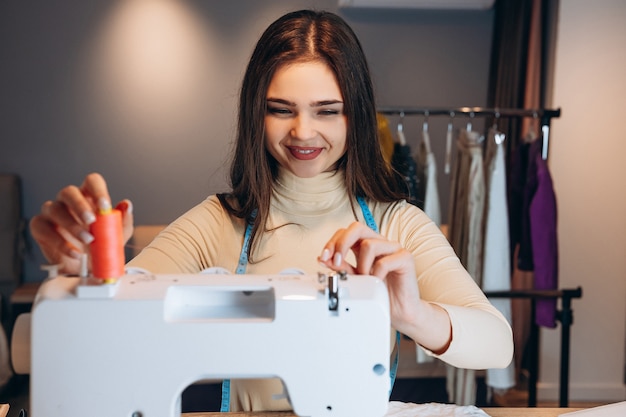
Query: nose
x,y
303,127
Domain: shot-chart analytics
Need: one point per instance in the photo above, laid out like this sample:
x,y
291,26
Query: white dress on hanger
x,y
432,205
496,255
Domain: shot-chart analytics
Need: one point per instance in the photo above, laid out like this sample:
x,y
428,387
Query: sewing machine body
x,y
131,348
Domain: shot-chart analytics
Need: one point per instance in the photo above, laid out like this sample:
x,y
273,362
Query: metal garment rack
x,y
566,316
545,115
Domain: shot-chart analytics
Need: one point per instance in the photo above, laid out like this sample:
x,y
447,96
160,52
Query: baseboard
x,y
583,392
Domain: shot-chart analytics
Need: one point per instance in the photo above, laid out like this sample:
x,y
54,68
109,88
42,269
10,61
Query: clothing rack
x,y
566,316
545,115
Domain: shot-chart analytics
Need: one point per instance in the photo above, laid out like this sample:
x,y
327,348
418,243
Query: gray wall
x,y
145,91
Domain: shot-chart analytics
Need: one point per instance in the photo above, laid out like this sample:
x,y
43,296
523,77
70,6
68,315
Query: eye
x,y
280,111
329,112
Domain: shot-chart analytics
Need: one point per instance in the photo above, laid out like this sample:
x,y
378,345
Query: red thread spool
x,y
107,248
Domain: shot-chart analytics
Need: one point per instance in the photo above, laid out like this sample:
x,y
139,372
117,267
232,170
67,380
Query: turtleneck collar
x,y
309,196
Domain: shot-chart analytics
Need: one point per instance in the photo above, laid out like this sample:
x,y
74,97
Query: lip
x,y
304,153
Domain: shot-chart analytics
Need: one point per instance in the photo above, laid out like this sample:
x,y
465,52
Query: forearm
x,y
481,339
430,327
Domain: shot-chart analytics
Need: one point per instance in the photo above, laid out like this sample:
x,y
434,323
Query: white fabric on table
x,y
400,409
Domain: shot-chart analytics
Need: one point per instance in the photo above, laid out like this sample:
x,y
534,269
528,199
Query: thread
x,y
107,248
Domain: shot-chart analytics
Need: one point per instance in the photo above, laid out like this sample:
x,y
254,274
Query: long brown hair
x,y
302,36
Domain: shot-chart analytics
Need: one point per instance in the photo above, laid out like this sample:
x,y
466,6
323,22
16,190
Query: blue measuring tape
x,y
241,269
243,256
371,223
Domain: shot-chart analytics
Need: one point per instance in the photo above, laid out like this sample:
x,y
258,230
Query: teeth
x,y
305,152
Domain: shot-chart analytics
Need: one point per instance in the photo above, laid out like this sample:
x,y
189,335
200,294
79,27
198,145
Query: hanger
x,y
469,122
401,137
449,143
496,114
497,135
545,131
425,134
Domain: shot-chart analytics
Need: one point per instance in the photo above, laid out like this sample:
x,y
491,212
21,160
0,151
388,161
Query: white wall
x,y
587,153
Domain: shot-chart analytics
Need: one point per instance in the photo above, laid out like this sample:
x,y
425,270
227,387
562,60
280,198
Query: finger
x,y
126,207
343,240
350,237
77,204
95,187
399,263
84,201
52,243
57,214
337,263
329,248
371,251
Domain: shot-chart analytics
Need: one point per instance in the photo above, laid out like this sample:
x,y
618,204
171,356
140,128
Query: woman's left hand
x,y
377,256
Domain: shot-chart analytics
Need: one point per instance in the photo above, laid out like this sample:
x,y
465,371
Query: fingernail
x,y
125,206
86,237
46,208
325,255
89,217
75,254
104,205
337,260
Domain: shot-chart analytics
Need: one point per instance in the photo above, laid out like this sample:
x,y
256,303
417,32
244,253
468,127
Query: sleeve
x,y
481,336
203,237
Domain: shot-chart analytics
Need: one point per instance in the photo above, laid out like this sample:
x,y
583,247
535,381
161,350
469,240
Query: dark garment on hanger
x,y
520,195
403,162
543,231
533,224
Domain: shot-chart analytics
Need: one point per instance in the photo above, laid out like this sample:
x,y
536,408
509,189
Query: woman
x,y
308,177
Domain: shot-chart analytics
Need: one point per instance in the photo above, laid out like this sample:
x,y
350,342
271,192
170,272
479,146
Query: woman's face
x,y
305,127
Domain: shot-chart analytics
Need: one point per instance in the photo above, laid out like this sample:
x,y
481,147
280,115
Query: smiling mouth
x,y
304,154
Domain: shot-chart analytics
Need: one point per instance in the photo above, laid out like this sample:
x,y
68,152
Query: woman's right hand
x,y
62,228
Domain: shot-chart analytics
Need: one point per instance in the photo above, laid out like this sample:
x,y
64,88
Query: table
x,y
492,411
527,412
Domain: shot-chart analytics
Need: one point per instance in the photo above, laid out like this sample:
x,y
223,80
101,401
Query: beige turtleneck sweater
x,y
312,210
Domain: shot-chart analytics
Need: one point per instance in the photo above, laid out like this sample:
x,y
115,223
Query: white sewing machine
x,y
129,349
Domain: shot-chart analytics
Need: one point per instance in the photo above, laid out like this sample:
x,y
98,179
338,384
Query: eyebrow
x,y
314,104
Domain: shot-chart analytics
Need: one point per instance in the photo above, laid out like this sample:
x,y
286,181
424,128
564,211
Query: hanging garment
x,y
461,385
519,236
428,164
533,220
496,261
522,276
467,201
403,162
523,186
543,233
